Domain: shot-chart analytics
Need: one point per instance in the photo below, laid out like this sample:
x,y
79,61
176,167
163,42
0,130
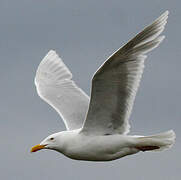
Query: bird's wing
x,y
115,83
55,86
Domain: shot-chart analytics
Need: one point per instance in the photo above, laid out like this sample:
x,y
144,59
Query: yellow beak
x,y
37,148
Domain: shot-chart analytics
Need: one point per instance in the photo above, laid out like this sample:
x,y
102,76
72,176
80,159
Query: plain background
x,y
84,33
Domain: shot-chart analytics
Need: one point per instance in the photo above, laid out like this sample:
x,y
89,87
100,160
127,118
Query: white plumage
x,y
54,85
97,128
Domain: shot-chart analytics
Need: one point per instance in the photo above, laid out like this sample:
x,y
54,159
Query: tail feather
x,y
156,142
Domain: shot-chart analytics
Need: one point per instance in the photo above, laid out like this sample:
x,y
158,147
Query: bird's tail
x,y
156,142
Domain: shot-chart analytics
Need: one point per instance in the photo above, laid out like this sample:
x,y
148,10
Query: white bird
x,y
97,127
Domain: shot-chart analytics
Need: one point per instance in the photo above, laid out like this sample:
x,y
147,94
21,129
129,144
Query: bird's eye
x,y
51,138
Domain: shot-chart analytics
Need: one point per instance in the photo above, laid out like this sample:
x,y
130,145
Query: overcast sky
x,y
84,33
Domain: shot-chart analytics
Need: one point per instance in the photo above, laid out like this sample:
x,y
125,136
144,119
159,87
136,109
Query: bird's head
x,y
51,142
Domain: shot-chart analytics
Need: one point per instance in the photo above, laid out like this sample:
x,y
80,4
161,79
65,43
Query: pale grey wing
x,y
115,84
54,85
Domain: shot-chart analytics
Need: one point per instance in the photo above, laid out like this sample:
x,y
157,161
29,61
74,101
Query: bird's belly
x,y
101,156
99,149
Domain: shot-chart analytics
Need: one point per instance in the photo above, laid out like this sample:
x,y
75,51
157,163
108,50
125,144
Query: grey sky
x,y
84,33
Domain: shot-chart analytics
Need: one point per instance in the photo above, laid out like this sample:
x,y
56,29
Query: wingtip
x,y
161,21
167,12
51,51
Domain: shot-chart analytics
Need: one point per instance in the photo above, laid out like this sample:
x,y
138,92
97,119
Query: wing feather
x,y
55,86
115,84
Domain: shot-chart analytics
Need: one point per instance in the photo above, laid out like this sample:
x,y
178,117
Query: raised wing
x,y
55,86
115,84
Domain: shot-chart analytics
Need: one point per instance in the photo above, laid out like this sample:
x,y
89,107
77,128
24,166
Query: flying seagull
x,y
97,127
